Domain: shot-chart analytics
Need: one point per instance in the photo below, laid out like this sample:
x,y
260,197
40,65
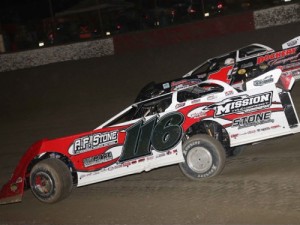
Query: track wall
x,y
157,38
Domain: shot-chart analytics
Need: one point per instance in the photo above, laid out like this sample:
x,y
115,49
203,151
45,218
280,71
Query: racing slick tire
x,y
51,180
204,157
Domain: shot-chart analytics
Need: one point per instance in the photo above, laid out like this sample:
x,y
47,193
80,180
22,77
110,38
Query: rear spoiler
x,y
291,43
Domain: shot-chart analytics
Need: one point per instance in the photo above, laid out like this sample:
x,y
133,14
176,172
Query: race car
x,y
234,68
196,127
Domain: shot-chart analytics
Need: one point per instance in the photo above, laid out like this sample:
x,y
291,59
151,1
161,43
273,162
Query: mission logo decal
x,y
244,103
94,141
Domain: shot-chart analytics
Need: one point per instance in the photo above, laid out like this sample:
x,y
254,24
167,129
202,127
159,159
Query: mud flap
x,y
12,192
12,199
288,109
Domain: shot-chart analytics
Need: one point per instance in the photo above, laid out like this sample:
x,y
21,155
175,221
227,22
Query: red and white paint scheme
x,y
196,127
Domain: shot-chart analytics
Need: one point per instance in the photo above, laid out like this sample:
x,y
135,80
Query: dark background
x,y
29,24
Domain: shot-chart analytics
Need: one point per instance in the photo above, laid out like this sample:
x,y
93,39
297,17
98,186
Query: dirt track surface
x,y
260,186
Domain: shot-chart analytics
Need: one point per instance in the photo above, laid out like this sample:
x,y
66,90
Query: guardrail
x,y
275,16
43,56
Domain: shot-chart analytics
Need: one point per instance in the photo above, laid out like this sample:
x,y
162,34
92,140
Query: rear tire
x,y
51,180
204,157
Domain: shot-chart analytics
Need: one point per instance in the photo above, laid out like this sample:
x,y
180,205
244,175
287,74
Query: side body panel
x,y
107,153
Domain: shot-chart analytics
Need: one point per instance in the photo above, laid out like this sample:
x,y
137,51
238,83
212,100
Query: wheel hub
x,y
43,184
199,159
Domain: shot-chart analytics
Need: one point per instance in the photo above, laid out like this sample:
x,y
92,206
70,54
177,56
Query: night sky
x,y
22,11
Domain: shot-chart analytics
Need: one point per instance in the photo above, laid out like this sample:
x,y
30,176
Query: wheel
x,y
51,180
204,157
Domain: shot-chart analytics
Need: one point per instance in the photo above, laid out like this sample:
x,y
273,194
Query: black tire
x,y
204,157
51,180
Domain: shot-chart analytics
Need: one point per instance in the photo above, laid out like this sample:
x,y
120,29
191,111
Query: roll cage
x,y
168,101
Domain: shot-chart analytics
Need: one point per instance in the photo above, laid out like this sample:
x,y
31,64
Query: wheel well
x,y
48,155
211,128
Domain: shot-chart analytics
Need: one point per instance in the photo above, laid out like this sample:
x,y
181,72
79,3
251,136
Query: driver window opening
x,y
153,107
198,91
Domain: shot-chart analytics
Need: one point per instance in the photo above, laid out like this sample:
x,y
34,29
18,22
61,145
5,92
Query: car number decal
x,y
160,133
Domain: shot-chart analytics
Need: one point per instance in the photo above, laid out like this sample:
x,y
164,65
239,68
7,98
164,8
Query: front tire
x,y
204,157
51,180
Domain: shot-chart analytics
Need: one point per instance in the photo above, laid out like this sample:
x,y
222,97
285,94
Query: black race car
x,y
234,68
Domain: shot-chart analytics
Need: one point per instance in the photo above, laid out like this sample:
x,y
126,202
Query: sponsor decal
x,y
197,115
244,103
265,129
252,120
179,105
150,157
177,85
289,66
98,159
266,80
211,97
276,55
269,128
141,160
277,62
160,155
87,175
126,164
195,101
227,93
275,126
166,85
234,136
94,141
246,133
291,43
251,132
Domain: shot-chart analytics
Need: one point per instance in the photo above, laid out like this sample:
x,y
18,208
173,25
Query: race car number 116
x,y
162,134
